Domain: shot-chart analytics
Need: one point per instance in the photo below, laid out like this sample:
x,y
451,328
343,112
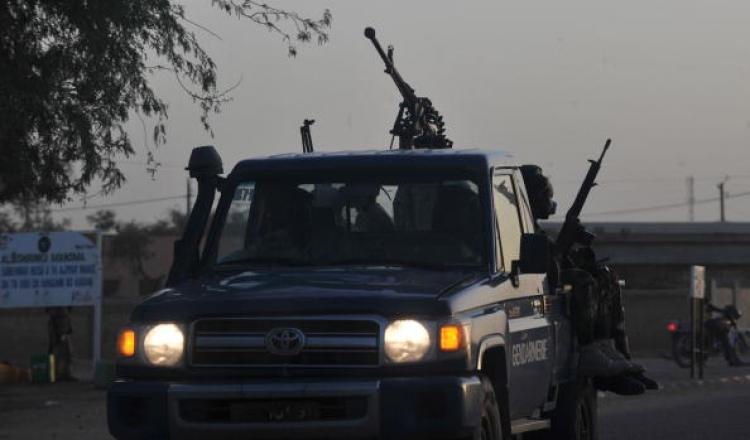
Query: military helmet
x,y
540,192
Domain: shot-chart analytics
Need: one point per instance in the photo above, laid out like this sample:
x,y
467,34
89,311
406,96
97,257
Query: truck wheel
x,y
575,416
491,426
681,351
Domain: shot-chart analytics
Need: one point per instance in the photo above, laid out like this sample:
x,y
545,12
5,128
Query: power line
x,y
667,206
119,204
650,179
156,164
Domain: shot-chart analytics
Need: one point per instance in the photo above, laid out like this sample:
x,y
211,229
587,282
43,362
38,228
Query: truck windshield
x,y
414,223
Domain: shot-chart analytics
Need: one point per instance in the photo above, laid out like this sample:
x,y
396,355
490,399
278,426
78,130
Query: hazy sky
x,y
549,81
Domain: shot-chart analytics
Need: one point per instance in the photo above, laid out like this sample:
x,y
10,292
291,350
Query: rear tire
x,y
491,427
575,417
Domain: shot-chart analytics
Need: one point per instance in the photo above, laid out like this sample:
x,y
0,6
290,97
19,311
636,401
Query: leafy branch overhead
x,y
72,74
304,29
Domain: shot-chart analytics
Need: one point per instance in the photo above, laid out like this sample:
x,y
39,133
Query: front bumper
x,y
385,408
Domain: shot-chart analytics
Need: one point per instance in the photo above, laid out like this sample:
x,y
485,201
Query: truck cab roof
x,y
417,158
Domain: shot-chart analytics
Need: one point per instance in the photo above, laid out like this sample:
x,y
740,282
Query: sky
x,y
548,81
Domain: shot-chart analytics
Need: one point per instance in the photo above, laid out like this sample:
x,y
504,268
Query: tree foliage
x,y
132,241
29,216
73,72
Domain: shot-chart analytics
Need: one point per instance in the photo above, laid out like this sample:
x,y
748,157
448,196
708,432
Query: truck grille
x,y
300,342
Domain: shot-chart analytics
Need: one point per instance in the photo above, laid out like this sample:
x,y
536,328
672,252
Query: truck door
x,y
529,343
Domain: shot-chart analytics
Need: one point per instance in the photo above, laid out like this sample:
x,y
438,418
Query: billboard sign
x,y
49,269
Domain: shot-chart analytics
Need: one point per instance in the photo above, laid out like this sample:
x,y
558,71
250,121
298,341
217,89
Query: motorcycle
x,y
725,320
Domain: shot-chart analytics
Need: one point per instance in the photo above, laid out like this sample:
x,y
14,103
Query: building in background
x,y
654,259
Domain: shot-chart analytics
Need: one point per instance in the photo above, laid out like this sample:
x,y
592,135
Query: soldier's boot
x,y
624,385
609,349
635,371
595,362
647,382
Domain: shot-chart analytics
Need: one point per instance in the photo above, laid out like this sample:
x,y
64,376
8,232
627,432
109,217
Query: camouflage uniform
x,y
596,306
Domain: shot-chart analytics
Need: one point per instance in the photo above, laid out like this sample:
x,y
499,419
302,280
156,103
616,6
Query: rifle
x,y
418,124
572,232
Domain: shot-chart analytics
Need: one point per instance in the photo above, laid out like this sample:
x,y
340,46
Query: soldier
x,y
59,329
371,217
282,227
596,304
540,192
606,357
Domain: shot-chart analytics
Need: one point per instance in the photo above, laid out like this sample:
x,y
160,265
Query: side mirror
x,y
535,254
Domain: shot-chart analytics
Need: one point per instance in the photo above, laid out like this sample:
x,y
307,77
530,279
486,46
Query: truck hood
x,y
384,291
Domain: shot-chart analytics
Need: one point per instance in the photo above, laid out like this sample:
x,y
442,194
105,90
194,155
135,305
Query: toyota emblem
x,y
285,341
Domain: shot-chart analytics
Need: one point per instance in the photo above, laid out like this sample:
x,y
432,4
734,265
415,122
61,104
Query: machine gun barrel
x,y
572,232
405,89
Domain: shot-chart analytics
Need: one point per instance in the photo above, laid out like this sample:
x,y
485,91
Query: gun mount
x,y
418,124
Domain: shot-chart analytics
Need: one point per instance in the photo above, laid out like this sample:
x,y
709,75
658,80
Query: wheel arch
x,y
492,363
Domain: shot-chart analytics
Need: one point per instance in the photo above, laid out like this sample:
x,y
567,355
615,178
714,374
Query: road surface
x,y
684,410
711,411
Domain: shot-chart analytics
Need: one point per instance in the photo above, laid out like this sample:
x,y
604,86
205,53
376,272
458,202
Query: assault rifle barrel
x,y
588,183
572,232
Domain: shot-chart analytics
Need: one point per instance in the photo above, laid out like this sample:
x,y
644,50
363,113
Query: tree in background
x,y
132,241
103,220
28,216
73,72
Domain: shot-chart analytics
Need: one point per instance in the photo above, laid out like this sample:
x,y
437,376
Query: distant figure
x,y
59,329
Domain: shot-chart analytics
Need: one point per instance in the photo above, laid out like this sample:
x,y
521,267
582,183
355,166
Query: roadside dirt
x,y
57,411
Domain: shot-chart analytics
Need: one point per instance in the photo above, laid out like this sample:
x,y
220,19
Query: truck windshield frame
x,y
346,222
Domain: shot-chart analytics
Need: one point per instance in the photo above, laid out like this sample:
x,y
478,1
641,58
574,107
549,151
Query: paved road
x,y
712,411
718,409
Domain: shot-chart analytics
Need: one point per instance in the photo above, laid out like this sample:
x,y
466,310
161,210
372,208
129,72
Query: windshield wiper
x,y
270,261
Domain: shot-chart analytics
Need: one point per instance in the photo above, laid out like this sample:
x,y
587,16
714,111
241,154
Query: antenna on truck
x,y
304,130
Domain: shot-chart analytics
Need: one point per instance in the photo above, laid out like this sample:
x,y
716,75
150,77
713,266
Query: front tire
x,y
742,346
491,427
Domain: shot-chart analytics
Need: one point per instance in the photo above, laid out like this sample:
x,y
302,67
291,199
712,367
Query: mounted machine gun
x,y
418,124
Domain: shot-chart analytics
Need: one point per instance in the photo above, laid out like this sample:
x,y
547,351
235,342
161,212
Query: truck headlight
x,y
406,340
163,345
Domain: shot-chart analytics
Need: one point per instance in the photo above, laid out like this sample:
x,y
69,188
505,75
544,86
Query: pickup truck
x,y
398,294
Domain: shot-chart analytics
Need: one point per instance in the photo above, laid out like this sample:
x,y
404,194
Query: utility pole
x,y
188,198
691,198
722,196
